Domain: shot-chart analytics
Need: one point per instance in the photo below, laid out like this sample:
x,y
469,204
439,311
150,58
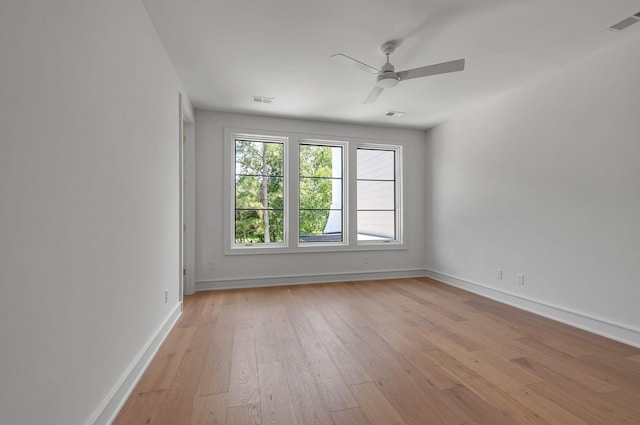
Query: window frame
x,y
345,191
231,199
398,193
292,141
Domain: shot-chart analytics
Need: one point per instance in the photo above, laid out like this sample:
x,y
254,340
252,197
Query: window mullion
x,y
352,183
292,191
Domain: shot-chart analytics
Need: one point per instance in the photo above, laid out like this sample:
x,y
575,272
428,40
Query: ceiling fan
x,y
387,77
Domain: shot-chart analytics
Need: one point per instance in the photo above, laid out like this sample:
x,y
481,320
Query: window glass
x,y
376,196
320,181
259,192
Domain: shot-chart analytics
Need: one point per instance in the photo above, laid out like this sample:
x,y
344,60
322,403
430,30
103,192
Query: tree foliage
x,y
315,188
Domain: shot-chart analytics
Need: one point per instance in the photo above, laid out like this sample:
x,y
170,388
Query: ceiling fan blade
x,y
356,63
373,95
425,71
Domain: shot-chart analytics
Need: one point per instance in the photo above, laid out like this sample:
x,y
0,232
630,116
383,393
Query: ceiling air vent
x,y
395,114
262,99
625,23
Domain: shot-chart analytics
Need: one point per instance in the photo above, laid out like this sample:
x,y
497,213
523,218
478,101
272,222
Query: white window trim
x,y
291,244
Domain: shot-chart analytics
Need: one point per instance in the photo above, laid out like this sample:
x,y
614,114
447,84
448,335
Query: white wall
x,y
248,270
88,205
545,181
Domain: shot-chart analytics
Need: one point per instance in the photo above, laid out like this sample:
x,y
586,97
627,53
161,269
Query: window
x,y
377,198
259,192
340,195
320,190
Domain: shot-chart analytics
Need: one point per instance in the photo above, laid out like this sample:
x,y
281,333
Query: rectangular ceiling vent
x,y
262,99
395,114
625,23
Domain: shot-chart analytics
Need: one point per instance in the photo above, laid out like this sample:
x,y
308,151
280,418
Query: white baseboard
x,y
603,327
110,407
255,282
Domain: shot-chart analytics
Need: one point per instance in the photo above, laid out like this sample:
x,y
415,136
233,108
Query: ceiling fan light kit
x,y
388,78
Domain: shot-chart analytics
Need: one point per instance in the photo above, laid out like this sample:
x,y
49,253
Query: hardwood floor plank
x,y
476,407
611,369
244,313
141,408
428,402
625,403
281,323
210,410
243,382
310,407
277,407
329,380
493,395
177,407
266,340
448,310
217,367
247,414
348,367
162,370
565,366
354,416
403,395
543,407
213,306
579,402
376,406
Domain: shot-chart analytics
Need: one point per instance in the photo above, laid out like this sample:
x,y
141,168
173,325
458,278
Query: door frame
x,y
185,122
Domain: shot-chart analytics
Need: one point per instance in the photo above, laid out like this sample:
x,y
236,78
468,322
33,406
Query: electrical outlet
x,y
520,278
498,273
166,296
365,259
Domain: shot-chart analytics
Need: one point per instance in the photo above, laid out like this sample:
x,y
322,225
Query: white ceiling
x,y
227,51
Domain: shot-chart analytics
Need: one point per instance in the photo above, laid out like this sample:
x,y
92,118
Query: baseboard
x,y
112,404
603,327
255,282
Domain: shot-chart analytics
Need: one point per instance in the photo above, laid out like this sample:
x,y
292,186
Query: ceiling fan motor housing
x,y
388,78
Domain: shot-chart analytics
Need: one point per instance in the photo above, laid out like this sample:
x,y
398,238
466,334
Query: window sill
x,y
315,248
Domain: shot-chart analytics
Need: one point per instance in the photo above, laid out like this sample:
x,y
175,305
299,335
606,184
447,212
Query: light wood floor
x,y
405,351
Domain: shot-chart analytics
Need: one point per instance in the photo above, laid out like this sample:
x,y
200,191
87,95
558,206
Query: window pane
x,y
259,192
250,192
320,212
376,164
376,195
314,225
251,226
376,225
